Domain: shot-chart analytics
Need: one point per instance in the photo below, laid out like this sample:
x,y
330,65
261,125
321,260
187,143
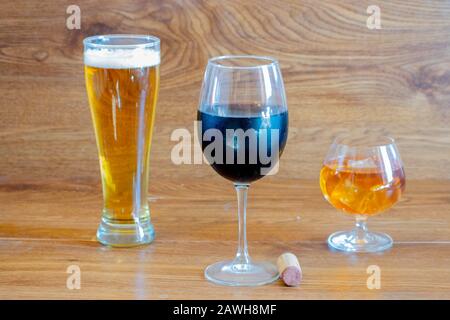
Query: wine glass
x,y
362,176
244,128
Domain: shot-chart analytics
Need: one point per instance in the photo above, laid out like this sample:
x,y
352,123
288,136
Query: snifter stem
x,y
361,229
242,258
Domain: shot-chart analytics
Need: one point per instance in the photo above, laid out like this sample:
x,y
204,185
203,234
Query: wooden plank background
x,y
339,75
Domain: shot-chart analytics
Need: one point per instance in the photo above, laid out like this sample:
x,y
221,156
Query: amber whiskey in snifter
x,y
361,191
362,176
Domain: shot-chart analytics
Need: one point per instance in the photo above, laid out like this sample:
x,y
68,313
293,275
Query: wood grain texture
x,y
46,229
339,75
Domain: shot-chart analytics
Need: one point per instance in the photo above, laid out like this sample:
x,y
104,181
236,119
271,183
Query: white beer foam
x,y
121,58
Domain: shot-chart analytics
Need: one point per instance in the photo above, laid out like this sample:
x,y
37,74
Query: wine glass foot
x,y
125,235
252,274
348,242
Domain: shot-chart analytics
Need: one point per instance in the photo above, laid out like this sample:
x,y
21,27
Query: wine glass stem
x,y
361,228
242,258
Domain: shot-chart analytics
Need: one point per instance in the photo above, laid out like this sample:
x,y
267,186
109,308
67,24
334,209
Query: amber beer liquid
x,y
123,109
122,86
362,191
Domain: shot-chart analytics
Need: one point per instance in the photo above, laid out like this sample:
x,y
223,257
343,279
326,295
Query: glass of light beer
x,y
122,81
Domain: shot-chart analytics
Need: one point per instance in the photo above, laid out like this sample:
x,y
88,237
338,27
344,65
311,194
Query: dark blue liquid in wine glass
x,y
239,118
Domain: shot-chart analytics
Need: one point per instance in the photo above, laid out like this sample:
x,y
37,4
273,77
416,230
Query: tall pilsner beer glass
x,y
122,81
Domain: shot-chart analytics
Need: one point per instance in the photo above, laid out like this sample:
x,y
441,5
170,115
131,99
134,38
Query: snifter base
x,y
371,242
125,235
252,274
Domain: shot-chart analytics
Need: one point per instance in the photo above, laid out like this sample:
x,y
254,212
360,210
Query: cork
x,y
289,269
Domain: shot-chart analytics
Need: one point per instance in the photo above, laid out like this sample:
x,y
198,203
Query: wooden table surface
x,y
339,76
49,227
